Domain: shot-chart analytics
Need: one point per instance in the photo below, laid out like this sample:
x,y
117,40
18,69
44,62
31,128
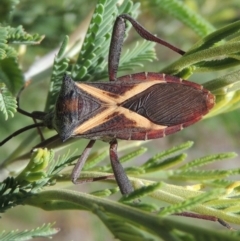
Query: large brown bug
x,y
139,106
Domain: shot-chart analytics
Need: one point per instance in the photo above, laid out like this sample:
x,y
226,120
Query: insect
x,y
139,106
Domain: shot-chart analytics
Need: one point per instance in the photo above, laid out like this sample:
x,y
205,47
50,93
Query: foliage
x,y
202,191
221,201
7,102
44,231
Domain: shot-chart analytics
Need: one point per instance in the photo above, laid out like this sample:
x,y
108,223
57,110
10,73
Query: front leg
x,y
119,173
79,166
80,163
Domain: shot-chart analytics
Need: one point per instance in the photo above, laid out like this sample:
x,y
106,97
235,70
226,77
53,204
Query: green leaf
x,y
207,160
218,50
125,221
185,14
3,42
63,161
96,41
91,61
105,192
143,51
59,68
165,154
224,84
19,36
11,74
36,168
182,197
191,202
230,32
8,104
198,175
141,192
94,159
140,151
167,163
46,230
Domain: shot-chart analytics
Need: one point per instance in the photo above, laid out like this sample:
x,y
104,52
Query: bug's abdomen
x,y
171,104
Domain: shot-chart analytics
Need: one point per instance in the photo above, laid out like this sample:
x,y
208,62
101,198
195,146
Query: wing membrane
x,y
169,104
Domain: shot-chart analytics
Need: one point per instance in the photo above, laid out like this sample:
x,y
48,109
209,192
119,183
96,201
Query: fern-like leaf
x,y
117,218
19,36
59,68
207,160
8,104
11,74
3,42
141,52
93,55
165,154
63,161
185,14
191,202
46,230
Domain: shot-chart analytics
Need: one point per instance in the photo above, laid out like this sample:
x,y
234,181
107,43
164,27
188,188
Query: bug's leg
x,y
40,115
18,100
117,42
115,49
119,173
95,179
39,130
149,36
36,125
21,131
49,143
204,217
80,163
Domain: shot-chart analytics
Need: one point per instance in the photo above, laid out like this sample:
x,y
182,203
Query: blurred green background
x,y
55,19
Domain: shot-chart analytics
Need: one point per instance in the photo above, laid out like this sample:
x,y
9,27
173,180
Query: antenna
x,y
21,131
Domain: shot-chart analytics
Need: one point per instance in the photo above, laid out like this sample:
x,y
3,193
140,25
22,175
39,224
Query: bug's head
x,y
64,117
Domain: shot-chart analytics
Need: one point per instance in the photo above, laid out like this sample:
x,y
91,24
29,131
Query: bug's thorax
x,y
71,107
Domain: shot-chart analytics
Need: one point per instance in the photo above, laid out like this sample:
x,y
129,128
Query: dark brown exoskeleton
x,y
140,106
